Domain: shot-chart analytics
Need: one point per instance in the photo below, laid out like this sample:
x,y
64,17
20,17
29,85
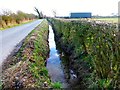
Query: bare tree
x,y
54,13
39,13
6,12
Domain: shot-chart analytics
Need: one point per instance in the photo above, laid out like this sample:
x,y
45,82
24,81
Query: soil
x,y
15,72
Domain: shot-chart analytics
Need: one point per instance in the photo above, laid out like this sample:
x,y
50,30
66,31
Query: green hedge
x,y
96,45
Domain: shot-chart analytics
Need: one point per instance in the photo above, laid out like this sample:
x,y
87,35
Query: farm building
x,y
81,15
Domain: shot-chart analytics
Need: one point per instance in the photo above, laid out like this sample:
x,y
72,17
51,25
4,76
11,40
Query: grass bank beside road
x,y
26,69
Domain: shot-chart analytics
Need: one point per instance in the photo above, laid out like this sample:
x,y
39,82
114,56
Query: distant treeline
x,y
7,18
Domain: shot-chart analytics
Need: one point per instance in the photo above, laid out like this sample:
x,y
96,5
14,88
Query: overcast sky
x,y
62,7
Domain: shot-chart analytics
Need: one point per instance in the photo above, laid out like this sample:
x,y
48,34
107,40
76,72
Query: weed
x,y
56,85
0,85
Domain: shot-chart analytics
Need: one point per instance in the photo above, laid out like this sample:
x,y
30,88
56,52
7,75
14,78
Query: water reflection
x,y
54,63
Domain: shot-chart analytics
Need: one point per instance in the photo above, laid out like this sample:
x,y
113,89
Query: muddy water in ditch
x,y
54,66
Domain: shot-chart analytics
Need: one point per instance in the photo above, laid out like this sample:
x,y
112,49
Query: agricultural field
x,y
112,20
107,20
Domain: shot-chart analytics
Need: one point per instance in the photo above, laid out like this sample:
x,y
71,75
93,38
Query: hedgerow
x,y
8,18
94,48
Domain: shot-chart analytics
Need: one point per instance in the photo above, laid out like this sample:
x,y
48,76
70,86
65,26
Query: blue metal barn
x,y
80,15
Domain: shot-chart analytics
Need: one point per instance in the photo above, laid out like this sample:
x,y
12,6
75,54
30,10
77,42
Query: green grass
x,y
0,85
56,85
39,54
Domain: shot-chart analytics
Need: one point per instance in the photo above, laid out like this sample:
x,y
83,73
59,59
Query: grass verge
x,y
28,69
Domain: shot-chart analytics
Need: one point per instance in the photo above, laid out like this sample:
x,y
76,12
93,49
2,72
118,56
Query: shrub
x,y
94,46
8,18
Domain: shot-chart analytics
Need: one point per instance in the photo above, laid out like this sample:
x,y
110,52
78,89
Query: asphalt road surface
x,y
9,38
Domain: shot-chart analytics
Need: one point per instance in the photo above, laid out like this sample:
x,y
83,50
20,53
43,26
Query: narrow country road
x,y
9,38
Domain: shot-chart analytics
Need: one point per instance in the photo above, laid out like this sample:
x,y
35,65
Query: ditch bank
x,y
27,67
73,70
89,47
